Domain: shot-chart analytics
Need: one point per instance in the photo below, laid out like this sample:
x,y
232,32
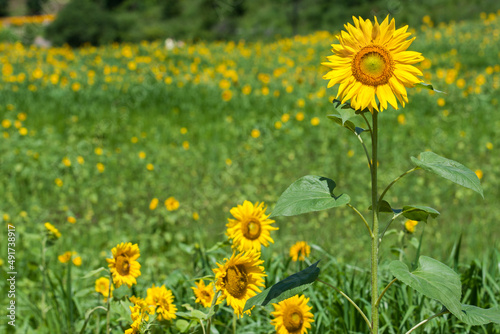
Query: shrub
x,y
82,22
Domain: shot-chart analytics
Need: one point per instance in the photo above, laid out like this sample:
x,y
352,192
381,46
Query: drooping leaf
x,y
428,86
286,288
419,213
449,169
307,194
182,325
432,279
383,207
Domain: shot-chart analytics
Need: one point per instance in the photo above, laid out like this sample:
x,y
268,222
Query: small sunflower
x,y
299,251
239,279
162,301
371,62
52,231
204,293
250,227
410,226
64,258
124,266
292,316
102,287
139,313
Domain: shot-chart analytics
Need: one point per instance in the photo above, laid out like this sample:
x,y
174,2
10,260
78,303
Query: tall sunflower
x,y
292,316
299,251
250,227
239,279
162,301
371,63
124,266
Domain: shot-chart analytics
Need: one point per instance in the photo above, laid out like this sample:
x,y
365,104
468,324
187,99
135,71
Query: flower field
x,y
156,151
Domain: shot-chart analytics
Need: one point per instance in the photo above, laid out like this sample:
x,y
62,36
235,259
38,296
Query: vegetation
x,y
91,136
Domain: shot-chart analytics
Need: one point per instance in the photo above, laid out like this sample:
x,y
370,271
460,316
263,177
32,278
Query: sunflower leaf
x,y
284,289
449,169
307,194
346,124
419,213
428,86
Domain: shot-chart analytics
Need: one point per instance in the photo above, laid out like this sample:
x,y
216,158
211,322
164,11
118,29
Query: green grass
x,y
113,206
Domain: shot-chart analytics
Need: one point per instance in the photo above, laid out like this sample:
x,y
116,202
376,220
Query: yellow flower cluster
x,y
22,20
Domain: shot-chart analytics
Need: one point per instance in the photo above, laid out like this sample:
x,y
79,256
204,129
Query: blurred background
x,y
104,21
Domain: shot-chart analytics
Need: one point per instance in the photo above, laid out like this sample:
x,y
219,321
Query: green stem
x,y
387,227
234,323
44,242
362,217
395,180
349,299
366,151
108,307
375,227
427,320
69,297
385,290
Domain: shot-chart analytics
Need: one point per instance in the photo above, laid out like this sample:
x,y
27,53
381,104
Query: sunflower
x,y
161,300
52,231
204,293
239,278
139,313
292,316
371,61
251,227
124,266
299,251
102,286
410,226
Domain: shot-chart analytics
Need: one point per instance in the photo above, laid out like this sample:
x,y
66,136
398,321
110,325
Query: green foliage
x,y
4,8
307,194
82,22
35,6
449,169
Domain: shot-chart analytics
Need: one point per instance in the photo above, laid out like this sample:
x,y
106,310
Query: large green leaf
x,y
286,288
419,212
433,279
437,281
307,194
449,169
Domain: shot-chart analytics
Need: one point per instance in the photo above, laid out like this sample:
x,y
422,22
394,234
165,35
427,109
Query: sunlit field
x,y
155,143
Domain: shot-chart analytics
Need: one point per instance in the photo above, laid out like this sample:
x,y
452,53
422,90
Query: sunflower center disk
x,y
122,265
252,229
372,66
293,323
236,281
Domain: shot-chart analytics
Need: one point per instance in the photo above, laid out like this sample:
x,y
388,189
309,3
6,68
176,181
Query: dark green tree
x,y
4,8
35,6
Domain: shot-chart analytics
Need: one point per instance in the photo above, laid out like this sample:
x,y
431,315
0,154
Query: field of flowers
x,y
153,148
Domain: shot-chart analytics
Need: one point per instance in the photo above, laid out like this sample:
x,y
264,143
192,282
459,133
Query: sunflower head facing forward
x,y
250,227
372,64
124,266
292,316
239,279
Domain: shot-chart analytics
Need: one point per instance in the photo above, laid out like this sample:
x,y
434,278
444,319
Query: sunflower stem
x,y
362,217
395,180
387,227
375,227
234,323
108,306
385,290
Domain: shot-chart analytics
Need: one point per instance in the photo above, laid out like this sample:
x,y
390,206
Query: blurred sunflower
x,y
251,227
52,231
124,266
139,313
299,251
371,61
410,226
239,279
204,293
292,316
102,287
162,301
